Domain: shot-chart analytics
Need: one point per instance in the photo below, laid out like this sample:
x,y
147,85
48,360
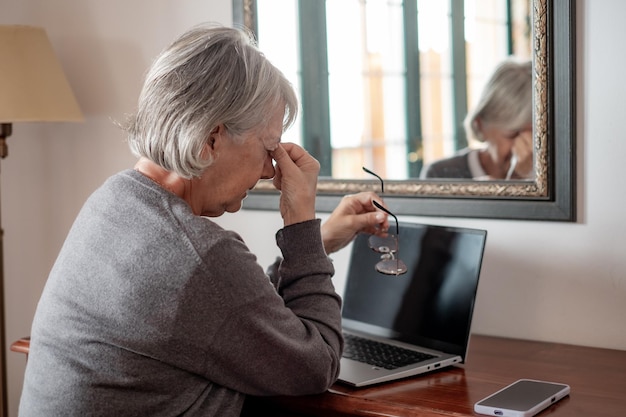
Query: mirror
x,y
550,195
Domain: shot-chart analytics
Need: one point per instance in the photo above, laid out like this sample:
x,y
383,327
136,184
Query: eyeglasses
x,y
388,246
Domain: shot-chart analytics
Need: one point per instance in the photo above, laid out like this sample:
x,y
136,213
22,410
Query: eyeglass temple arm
x,y
382,184
377,204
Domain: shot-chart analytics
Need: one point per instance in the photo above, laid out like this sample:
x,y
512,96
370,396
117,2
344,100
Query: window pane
x,y
367,99
522,29
434,29
281,46
346,65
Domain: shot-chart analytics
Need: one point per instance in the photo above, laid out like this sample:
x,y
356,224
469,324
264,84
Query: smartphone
x,y
523,398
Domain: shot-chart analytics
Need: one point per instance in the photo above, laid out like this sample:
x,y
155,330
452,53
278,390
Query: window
x,y
387,83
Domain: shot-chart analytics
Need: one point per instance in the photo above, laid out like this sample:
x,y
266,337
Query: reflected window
x,y
387,83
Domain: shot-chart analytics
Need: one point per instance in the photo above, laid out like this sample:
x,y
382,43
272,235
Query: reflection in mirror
x,y
387,83
387,96
501,123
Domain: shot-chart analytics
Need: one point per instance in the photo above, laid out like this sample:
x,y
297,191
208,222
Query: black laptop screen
x,y
432,303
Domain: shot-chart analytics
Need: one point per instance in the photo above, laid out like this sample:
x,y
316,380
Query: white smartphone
x,y
522,398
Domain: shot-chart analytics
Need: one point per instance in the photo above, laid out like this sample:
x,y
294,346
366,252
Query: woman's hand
x,y
355,213
296,177
523,154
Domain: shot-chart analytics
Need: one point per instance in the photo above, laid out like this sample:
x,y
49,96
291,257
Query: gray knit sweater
x,y
150,310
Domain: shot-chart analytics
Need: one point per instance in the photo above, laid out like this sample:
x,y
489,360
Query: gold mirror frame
x,y
551,196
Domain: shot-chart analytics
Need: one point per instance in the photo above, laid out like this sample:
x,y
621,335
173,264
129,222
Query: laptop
x,y
423,315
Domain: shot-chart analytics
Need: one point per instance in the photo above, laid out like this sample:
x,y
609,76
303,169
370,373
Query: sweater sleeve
x,y
281,339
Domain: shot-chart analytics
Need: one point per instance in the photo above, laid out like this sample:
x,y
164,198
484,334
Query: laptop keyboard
x,y
379,354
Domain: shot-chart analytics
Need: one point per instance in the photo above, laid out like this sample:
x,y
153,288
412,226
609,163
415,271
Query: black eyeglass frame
x,y
400,267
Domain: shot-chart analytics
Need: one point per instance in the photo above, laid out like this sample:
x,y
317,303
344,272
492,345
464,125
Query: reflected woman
x,y
502,120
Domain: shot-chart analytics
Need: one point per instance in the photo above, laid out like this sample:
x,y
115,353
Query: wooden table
x,y
597,378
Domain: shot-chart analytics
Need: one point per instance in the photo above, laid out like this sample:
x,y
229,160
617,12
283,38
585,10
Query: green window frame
x,y
315,86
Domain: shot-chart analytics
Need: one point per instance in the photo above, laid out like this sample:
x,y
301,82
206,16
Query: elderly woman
x,y
502,119
151,308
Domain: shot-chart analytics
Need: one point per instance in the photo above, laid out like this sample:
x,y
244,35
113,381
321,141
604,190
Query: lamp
x,y
33,88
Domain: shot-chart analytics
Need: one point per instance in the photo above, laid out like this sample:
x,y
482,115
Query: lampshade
x,y
33,87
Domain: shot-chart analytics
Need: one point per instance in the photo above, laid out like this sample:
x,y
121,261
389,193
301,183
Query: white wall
x,y
563,282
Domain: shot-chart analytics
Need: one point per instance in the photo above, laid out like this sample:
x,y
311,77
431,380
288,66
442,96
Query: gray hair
x,y
210,75
506,100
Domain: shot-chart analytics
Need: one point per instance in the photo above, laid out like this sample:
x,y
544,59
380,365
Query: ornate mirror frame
x,y
551,196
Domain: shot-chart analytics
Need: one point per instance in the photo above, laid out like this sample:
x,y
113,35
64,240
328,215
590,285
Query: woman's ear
x,y
214,141
216,137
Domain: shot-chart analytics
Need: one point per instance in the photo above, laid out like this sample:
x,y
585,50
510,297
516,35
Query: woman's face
x,y
501,141
238,166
